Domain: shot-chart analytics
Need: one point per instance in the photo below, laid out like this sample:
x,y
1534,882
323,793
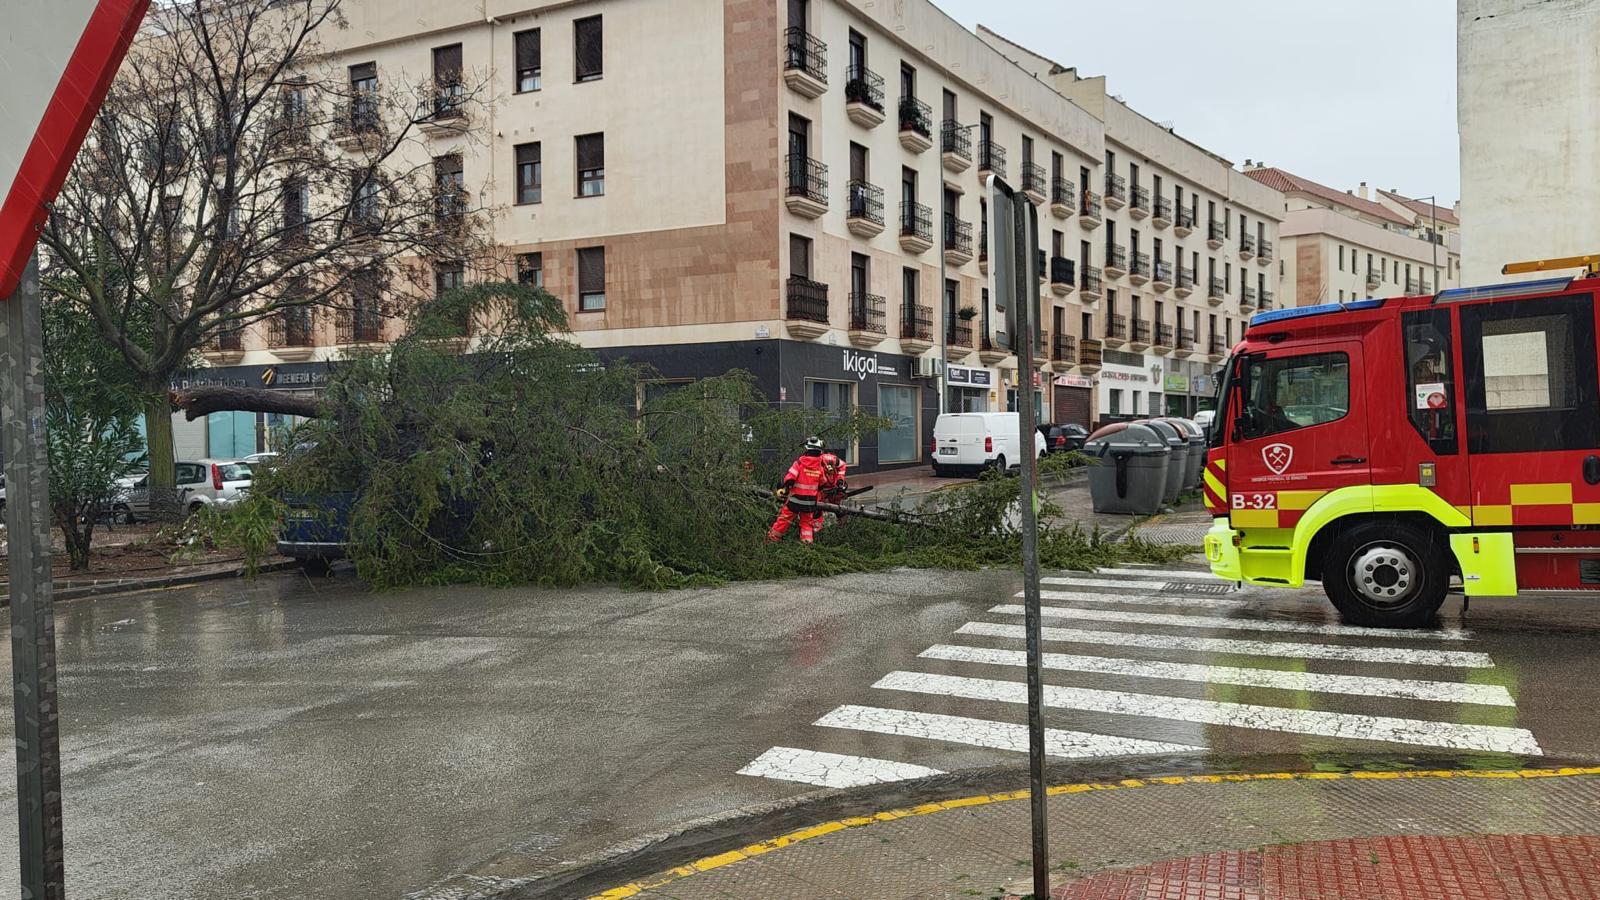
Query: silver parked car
x,y
201,483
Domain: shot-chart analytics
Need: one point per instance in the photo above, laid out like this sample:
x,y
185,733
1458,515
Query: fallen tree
x,y
207,399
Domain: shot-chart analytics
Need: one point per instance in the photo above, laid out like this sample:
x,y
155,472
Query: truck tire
x,y
1387,574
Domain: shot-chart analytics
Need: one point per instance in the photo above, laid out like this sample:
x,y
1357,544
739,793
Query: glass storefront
x,y
838,398
899,443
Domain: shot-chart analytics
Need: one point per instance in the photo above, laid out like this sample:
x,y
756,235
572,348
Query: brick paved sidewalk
x,y
1332,836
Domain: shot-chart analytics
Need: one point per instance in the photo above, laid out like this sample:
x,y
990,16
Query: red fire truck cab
x,y
1387,447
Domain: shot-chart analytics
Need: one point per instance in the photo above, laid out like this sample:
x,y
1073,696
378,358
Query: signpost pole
x,y
33,639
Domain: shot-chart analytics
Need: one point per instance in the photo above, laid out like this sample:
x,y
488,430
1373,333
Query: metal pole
x,y
33,642
944,322
1025,292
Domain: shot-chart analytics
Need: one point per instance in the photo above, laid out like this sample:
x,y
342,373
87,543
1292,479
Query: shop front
x,y
1130,388
971,390
1072,400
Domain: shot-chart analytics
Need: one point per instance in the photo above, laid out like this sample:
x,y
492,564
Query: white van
x,y
971,442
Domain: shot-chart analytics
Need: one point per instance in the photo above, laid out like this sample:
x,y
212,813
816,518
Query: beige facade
x,y
1340,246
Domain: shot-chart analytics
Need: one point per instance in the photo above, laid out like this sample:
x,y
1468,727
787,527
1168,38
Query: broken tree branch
x,y
206,399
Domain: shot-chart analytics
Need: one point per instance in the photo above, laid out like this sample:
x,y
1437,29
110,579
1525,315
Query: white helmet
x,y
814,443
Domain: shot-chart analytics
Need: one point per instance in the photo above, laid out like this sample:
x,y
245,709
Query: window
x,y
588,53
799,256
1341,257
1430,389
296,208
591,279
530,173
1116,401
1285,393
527,52
364,200
899,442
1530,375
447,277
837,399
448,91
450,187
908,81
364,95
591,155
530,269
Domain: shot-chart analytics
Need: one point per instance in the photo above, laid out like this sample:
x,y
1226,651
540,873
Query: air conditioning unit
x,y
930,366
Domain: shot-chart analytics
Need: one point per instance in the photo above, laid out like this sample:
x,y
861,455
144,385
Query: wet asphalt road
x,y
294,739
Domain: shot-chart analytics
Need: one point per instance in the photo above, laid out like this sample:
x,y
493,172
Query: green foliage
x,y
529,462
91,421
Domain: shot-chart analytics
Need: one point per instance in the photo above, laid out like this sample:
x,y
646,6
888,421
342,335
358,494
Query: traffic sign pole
x,y
33,637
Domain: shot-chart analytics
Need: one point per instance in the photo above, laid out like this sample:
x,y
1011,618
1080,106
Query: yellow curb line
x,y
708,863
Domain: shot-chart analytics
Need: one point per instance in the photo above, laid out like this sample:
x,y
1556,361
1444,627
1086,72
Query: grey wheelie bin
x,y
1130,470
1197,450
1178,461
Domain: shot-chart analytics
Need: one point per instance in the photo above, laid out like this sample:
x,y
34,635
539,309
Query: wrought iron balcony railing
x,y
807,178
805,53
808,300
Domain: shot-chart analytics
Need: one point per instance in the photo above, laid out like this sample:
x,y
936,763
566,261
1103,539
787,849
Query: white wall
x,y
1528,74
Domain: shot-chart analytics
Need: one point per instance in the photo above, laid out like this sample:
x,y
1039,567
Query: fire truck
x,y
1399,449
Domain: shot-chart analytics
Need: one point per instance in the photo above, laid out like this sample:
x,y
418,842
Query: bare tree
x,y
238,173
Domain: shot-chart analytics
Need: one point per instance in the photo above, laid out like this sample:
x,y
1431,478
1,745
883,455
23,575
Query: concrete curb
x,y
149,584
656,853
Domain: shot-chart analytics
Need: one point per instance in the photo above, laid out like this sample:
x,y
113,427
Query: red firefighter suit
x,y
807,479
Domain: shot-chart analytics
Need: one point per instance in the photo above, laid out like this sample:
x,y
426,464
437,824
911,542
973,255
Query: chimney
x,y
1363,191
1248,163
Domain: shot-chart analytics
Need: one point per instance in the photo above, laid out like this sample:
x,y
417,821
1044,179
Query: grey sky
x,y
1362,90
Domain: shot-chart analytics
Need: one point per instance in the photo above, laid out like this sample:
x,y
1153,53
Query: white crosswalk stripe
x,y
1143,599
1357,685
1157,573
833,770
987,733
1490,738
1404,655
1196,621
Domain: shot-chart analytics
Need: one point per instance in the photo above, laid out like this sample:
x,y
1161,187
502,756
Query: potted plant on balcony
x,y
967,313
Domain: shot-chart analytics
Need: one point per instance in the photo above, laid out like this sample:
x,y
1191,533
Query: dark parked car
x,y
1063,437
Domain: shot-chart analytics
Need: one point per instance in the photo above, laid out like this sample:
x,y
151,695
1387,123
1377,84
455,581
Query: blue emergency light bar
x,y
1300,312
1492,291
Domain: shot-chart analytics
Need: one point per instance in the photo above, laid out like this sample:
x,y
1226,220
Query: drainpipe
x,y
943,326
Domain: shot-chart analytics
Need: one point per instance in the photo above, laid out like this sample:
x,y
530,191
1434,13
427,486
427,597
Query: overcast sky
x,y
1362,90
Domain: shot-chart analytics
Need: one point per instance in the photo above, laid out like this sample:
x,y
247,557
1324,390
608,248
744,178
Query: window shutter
x,y
363,72
589,52
447,65
591,151
592,270
527,49
527,153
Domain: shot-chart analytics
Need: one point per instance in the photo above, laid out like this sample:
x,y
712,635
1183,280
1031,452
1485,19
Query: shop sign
x,y
863,364
1176,384
1113,375
1077,381
964,375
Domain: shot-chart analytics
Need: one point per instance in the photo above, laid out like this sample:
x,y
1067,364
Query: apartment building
x,y
1345,245
1530,131
794,189
1184,249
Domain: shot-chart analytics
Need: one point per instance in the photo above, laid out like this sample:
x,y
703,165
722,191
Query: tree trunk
x,y
199,401
158,441
78,537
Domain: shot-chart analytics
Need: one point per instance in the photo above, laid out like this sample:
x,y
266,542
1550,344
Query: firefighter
x,y
833,488
802,485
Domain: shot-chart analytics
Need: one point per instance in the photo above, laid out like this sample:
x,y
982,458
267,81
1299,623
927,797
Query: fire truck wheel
x,y
1386,574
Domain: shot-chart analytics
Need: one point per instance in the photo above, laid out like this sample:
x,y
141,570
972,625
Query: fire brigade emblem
x,y
1277,457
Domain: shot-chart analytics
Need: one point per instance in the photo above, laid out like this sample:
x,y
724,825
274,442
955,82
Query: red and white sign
x,y
57,58
1277,457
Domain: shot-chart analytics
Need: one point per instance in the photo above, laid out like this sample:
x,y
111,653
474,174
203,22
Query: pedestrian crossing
x,y
1138,662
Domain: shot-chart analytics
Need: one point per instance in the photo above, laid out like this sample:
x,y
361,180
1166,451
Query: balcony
x,y
805,63
1089,284
991,158
916,329
958,340
1041,352
1063,275
957,241
1247,299
916,124
1089,215
1183,225
1163,217
1184,286
807,191
1063,351
1116,192
864,214
228,347
991,353
1061,198
291,334
1141,336
1139,208
807,313
1413,286
1264,254
1116,261
357,125
863,96
1034,183
1163,276
1139,272
1218,348
1116,330
1247,247
1218,291
955,145
359,327
1215,232
1185,345
1089,356
1163,344
1266,300
444,111
916,227
867,327
1374,278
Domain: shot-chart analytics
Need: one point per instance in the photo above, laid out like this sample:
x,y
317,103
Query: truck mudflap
x,y
1222,550
1488,562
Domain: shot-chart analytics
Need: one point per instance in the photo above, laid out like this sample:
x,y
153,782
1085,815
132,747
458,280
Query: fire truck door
x,y
1533,410
1293,436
